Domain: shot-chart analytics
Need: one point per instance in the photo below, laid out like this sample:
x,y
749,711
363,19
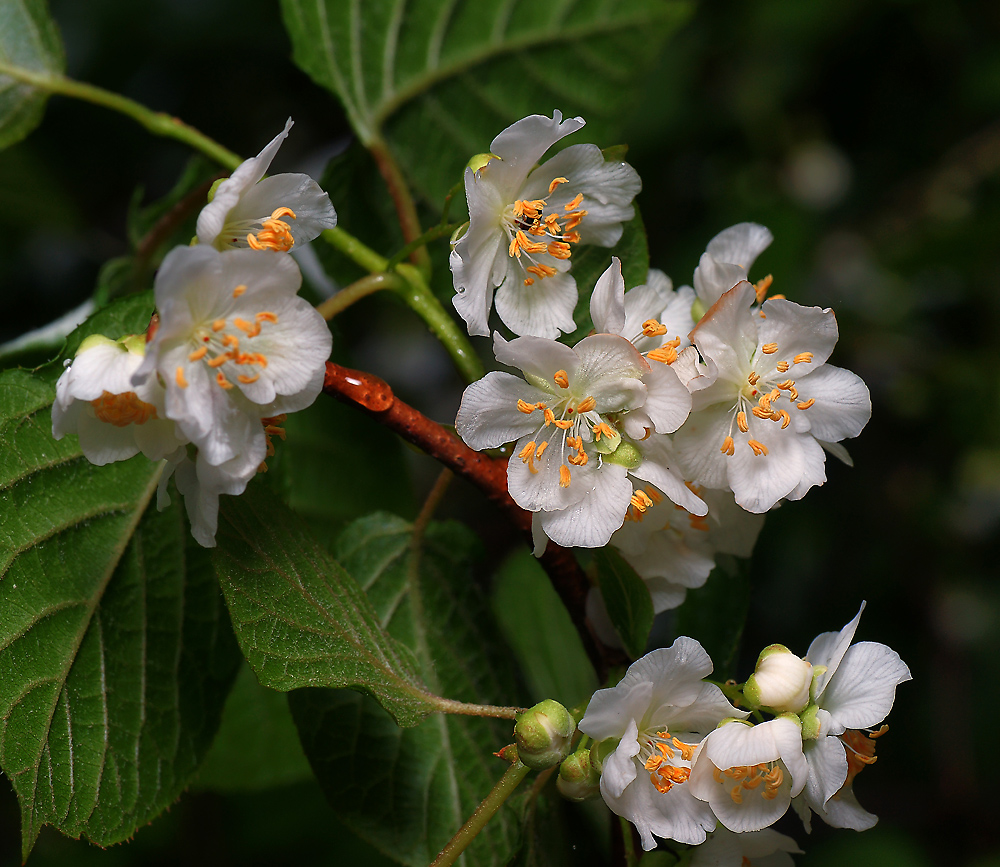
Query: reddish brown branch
x,y
375,398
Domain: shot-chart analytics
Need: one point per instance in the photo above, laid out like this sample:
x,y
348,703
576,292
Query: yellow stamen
x,y
123,409
239,290
758,448
527,455
230,340
198,354
266,316
542,271
652,328
218,325
246,380
219,360
252,329
741,421
561,379
728,446
603,429
769,348
563,424
587,404
803,358
783,366
761,287
525,407
550,416
220,378
529,281
807,403
575,203
564,477
555,183
179,376
753,378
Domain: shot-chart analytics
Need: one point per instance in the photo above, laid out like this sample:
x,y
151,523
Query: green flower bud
x,y
479,161
697,310
543,734
780,681
578,779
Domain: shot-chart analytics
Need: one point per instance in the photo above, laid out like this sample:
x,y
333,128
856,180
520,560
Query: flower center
x,y
767,776
218,344
577,419
274,233
553,231
122,409
760,397
668,761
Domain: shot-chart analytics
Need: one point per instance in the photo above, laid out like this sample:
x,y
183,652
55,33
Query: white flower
x,y
765,848
780,682
673,550
727,260
235,344
524,222
660,711
765,405
852,695
114,420
269,214
571,461
656,299
748,774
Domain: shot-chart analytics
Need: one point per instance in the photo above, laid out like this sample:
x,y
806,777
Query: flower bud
x,y
93,341
811,724
543,734
780,681
578,779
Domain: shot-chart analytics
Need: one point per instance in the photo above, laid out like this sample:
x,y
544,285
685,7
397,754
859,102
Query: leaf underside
x,y
115,649
438,79
407,791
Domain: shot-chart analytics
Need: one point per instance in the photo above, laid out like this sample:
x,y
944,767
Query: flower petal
x,y
489,417
843,404
607,303
796,329
713,279
668,402
740,244
589,522
543,309
727,333
537,357
828,649
863,689
542,489
311,205
611,370
522,145
827,761
760,480
698,445
660,467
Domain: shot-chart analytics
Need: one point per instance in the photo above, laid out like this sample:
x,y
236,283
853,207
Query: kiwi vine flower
x,y
727,261
654,721
275,213
765,403
524,222
235,344
853,691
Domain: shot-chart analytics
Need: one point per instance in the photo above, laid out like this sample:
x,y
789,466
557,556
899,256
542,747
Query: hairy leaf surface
x,y
300,618
407,791
29,40
438,79
115,650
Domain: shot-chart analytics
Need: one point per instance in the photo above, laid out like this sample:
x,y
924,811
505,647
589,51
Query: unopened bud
x,y
543,734
780,681
578,779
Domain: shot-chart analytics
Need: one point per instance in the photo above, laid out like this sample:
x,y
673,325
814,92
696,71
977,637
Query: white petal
x,y
473,305
827,761
612,711
536,356
713,278
589,522
740,244
737,529
843,405
522,145
760,480
611,370
543,309
828,649
619,769
659,466
607,303
698,446
312,207
489,417
862,692
668,402
675,815
214,215
677,315
727,333
813,466
844,811
796,329
104,443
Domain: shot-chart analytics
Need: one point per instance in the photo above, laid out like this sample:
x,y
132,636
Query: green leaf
x,y
438,79
115,651
301,620
590,262
29,39
537,627
627,599
257,746
716,613
407,791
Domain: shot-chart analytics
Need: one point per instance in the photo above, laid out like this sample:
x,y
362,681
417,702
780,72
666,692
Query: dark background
x,y
866,135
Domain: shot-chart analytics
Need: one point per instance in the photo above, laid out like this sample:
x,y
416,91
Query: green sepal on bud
x,y
578,778
780,682
480,161
214,187
809,718
601,750
134,343
624,453
93,341
543,734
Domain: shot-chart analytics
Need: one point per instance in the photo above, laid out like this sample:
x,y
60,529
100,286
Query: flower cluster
x,y
681,763
231,350
713,397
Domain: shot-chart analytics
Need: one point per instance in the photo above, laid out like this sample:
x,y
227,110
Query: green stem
x,y
447,705
631,858
356,291
157,122
418,295
351,247
454,191
484,812
432,234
